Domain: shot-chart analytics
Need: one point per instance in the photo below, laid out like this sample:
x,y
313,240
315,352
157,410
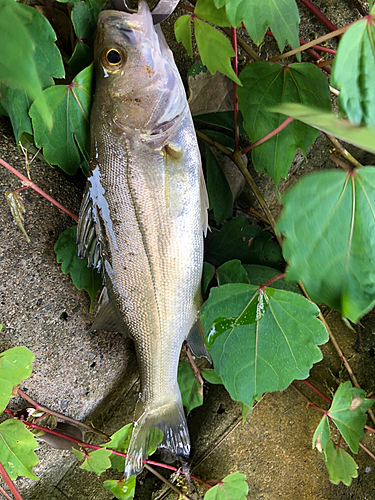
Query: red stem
x,y
9,483
317,391
319,15
235,98
185,7
272,280
30,184
268,136
93,447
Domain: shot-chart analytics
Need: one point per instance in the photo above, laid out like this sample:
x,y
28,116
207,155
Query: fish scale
x,y
146,203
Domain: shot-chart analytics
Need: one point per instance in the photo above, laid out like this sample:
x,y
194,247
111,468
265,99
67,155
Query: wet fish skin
x,y
147,205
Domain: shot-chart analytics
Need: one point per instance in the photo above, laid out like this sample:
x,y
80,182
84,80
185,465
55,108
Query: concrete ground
x,y
93,377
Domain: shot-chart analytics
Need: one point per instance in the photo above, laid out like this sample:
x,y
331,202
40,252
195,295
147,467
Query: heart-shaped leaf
x,y
330,244
15,365
265,85
17,447
260,340
353,72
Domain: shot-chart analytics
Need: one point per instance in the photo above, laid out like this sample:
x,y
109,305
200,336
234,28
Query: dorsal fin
x,y
108,316
87,238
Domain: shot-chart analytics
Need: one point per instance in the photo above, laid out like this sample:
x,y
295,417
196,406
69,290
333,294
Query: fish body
x,y
143,216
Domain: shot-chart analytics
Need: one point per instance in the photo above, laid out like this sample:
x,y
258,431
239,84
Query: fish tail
x,y
170,419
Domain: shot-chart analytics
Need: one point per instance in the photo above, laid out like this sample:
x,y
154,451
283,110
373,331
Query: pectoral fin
x,y
196,341
204,203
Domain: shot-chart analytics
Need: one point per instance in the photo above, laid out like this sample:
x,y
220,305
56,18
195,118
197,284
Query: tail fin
x,y
170,419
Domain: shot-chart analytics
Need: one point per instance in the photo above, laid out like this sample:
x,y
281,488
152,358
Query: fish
x,y
143,218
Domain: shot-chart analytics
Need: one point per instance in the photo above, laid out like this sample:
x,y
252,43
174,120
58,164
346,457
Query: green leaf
x,y
347,411
231,272
123,489
340,465
96,461
353,72
362,137
260,340
17,208
232,487
211,376
258,275
17,447
280,15
215,49
321,435
83,19
222,119
81,58
219,192
238,240
207,275
330,245
26,37
182,32
265,85
119,442
67,254
69,137
15,365
191,392
207,10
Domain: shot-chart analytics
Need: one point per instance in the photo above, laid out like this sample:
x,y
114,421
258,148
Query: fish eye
x,y
113,59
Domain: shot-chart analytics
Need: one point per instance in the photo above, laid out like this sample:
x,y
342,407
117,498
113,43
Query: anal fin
x,y
108,316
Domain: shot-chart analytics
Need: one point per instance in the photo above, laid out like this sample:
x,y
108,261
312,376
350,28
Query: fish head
x,y
137,86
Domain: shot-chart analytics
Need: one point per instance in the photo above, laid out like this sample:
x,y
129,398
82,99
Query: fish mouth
x,y
160,12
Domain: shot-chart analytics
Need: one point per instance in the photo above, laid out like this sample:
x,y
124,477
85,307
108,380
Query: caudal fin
x,y
170,419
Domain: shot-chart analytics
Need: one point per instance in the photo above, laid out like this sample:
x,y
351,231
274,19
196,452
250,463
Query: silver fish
x,y
143,217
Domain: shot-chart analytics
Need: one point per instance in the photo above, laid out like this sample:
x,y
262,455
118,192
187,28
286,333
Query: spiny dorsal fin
x,y
87,238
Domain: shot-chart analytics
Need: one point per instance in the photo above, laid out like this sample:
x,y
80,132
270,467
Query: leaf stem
x,y
338,350
241,165
194,367
316,47
62,417
5,494
319,15
312,43
217,145
10,483
343,152
317,391
272,280
30,184
267,136
243,45
340,163
235,97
